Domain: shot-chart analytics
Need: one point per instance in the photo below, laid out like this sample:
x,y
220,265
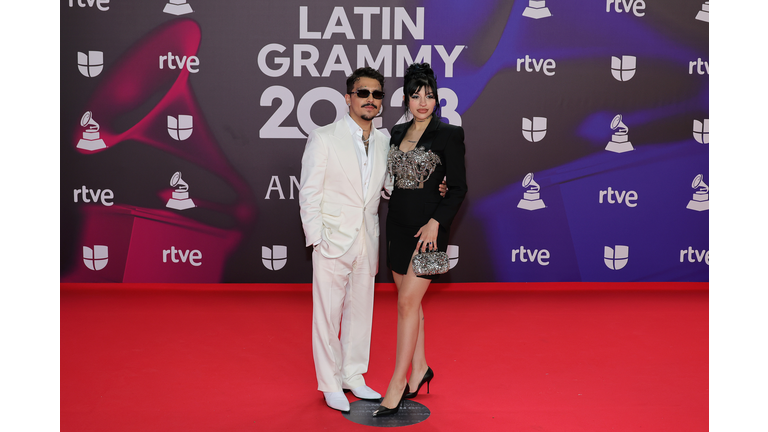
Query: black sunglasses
x,y
364,93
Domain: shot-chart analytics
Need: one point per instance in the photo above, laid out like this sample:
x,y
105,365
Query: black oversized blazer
x,y
447,141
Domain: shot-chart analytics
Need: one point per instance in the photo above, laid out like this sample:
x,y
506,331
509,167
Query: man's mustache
x,y
370,105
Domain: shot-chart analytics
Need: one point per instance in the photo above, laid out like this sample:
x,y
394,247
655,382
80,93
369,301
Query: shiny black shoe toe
x,y
384,411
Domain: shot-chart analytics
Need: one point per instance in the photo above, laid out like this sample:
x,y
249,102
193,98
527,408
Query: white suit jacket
x,y
331,194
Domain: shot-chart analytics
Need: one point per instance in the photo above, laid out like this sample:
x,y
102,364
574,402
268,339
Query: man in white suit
x,y
343,170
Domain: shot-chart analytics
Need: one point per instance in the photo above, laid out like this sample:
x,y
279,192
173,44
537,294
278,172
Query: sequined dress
x,y
415,199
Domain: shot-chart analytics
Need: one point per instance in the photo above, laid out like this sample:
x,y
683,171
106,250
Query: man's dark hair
x,y
364,72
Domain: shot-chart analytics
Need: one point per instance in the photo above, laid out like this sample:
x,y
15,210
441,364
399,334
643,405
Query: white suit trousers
x,y
342,302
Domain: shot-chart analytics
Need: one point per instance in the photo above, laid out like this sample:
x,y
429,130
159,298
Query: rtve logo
x,y
176,62
91,64
637,7
177,7
629,198
547,66
180,128
697,64
617,257
106,196
102,5
527,255
181,256
274,185
537,9
95,259
694,255
274,259
624,68
534,130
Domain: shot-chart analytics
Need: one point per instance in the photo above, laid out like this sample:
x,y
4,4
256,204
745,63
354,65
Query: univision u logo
x,y
90,64
534,130
96,258
623,69
617,257
453,255
181,128
701,131
275,258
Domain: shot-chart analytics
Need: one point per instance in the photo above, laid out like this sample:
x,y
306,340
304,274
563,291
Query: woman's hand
x,y
428,236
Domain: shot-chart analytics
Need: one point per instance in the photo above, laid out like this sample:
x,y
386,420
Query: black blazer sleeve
x,y
455,172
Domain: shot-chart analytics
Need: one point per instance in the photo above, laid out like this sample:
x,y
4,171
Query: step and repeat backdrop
x,y
183,124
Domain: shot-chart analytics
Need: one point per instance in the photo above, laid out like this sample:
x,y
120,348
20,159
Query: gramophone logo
x,y
531,199
617,257
275,258
180,128
95,259
91,140
700,200
620,139
180,199
623,69
177,7
536,9
453,255
534,130
701,131
703,14
90,64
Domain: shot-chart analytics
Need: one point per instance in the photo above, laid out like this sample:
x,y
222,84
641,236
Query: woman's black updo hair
x,y
420,75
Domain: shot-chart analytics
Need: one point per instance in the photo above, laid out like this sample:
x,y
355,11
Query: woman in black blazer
x,y
422,153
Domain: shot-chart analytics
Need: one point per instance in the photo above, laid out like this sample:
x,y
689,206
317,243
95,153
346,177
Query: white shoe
x,y
337,401
365,392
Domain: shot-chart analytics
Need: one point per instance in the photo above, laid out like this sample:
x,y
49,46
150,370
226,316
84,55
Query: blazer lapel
x,y
397,138
345,151
429,134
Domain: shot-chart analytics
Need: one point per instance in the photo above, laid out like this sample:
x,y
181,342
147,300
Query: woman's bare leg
x,y
419,362
410,291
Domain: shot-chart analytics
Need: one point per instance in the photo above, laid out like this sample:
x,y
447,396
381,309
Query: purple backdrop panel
x,y
586,124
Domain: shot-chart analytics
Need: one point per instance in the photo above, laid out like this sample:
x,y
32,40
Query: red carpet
x,y
207,359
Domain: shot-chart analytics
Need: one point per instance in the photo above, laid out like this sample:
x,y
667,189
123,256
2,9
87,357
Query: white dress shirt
x,y
362,158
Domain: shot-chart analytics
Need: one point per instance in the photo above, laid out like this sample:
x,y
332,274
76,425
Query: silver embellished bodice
x,y
411,169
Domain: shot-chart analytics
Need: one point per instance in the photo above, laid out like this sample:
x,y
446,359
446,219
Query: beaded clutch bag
x,y
430,263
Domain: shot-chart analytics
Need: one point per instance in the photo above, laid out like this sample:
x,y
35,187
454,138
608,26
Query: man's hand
x,y
443,188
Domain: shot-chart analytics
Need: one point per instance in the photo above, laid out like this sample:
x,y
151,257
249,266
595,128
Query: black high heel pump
x,y
427,378
382,410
